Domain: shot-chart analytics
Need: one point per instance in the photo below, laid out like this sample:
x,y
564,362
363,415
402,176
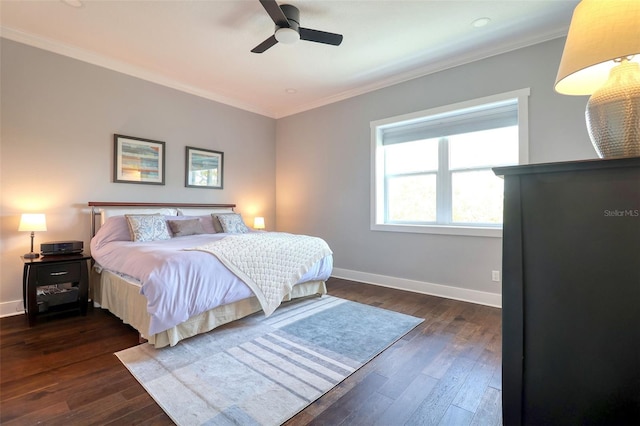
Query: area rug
x,y
263,371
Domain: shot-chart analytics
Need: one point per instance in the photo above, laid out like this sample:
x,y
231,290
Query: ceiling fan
x,y
288,30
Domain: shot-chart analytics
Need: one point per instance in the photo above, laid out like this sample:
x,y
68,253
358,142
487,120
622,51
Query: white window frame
x,y
377,163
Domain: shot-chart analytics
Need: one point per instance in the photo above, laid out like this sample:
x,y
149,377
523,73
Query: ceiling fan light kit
x,y
288,31
287,35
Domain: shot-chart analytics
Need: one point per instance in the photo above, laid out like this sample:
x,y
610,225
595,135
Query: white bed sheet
x,y
180,284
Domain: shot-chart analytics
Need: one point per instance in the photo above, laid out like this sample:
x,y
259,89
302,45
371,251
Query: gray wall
x,y
323,167
58,120
59,116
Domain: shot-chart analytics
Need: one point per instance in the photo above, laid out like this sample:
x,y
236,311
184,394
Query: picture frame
x,y
204,168
138,160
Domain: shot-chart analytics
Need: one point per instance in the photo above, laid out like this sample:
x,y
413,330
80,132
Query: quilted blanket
x,y
270,263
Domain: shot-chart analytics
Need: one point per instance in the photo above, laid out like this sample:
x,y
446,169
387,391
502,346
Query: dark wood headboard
x,y
168,205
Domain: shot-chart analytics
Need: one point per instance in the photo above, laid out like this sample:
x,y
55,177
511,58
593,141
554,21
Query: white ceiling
x,y
203,47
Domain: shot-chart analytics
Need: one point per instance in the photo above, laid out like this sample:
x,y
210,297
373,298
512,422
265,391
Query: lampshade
x,y
32,222
600,31
258,223
598,60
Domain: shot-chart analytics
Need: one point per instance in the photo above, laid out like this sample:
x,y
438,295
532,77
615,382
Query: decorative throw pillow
x,y
216,222
207,223
183,227
232,223
205,220
147,227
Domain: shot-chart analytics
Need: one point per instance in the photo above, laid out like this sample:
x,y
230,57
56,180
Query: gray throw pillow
x,y
181,228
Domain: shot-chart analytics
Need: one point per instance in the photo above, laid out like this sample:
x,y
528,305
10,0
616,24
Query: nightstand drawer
x,y
58,273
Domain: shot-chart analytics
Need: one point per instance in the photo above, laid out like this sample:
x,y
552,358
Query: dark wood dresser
x,y
571,293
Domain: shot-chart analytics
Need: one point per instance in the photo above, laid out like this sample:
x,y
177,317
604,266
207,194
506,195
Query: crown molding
x,y
122,67
431,68
128,69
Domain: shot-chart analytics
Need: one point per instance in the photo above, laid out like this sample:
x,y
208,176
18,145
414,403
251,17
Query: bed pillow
x,y
207,224
232,223
147,227
206,221
114,229
216,222
183,227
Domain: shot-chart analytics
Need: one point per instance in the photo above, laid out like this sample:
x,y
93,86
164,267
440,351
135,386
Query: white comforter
x,y
270,263
180,283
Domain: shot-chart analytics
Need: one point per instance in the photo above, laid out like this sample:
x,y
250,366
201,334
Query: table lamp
x,y
258,222
601,58
32,222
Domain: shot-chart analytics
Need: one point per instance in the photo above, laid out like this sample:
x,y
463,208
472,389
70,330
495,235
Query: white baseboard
x,y
449,292
8,309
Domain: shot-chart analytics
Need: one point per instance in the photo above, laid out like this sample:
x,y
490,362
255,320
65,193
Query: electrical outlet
x,y
495,276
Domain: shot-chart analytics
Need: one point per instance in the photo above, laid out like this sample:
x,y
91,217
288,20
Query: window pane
x,y
411,198
477,197
411,157
495,147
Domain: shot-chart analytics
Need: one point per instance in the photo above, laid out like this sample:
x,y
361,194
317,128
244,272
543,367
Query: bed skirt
x,y
122,298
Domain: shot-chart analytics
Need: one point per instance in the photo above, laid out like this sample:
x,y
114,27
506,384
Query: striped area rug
x,y
262,371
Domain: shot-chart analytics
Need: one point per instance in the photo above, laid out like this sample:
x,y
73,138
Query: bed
x,y
173,271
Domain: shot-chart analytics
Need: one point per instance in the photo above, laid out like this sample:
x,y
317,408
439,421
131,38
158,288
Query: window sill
x,y
467,231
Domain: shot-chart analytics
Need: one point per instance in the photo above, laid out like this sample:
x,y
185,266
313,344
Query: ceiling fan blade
x,y
320,36
276,14
265,45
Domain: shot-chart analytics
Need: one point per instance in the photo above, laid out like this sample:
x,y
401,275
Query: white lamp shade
x,y
600,31
32,222
258,223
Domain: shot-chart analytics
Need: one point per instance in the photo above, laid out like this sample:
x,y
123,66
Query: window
x,y
432,170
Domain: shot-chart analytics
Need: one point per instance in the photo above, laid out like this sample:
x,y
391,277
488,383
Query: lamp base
x,y
613,113
31,255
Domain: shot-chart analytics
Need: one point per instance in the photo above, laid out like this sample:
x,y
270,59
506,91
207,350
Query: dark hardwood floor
x,y
447,371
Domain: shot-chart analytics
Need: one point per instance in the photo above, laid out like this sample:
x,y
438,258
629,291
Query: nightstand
x,y
55,284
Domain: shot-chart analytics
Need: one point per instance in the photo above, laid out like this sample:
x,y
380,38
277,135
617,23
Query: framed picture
x,y
138,160
203,168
